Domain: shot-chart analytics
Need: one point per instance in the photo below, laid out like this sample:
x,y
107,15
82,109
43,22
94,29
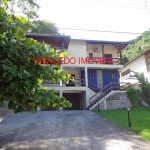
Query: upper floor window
x,y
91,74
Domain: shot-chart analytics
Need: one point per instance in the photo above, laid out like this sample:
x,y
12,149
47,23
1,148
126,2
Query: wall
x,y
94,80
138,65
77,73
108,49
83,77
118,100
107,76
90,50
77,49
148,66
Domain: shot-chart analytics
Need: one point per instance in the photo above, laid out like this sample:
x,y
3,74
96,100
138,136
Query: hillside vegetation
x,y
137,46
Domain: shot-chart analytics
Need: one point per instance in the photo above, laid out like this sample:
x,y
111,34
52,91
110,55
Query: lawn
x,y
140,119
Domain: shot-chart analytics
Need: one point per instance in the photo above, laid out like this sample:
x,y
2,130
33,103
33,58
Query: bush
x,y
133,96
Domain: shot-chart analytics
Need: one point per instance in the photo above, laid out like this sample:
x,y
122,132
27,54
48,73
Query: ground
x,y
65,130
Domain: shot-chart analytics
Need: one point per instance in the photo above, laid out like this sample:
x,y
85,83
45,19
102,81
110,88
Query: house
x,y
93,64
139,64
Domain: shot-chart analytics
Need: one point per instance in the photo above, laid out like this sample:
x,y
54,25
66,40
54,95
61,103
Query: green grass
x,y
140,119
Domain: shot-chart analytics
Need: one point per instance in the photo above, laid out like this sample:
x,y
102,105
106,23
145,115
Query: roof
x,y
144,53
52,39
57,40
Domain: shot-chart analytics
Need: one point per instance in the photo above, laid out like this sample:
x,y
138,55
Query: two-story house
x,y
93,64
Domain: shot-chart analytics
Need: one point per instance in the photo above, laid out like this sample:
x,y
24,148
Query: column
x,y
60,93
120,57
105,105
103,53
60,83
86,77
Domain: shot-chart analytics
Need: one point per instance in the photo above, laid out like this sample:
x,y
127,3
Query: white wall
x,y
90,50
108,49
138,65
77,49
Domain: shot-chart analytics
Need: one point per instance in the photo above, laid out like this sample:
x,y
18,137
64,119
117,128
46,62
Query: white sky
x,y
110,15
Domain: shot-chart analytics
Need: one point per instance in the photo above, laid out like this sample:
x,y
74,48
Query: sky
x,y
102,15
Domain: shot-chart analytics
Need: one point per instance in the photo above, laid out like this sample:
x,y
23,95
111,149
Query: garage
x,y
74,98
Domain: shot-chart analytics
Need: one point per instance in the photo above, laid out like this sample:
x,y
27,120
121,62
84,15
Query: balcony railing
x,y
104,60
81,60
75,83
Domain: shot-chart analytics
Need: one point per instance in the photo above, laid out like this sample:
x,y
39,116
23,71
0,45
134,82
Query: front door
x,y
99,79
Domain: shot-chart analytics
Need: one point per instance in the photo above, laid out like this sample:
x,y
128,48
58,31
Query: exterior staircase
x,y
106,92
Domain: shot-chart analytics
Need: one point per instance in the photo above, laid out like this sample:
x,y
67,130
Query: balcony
x,y
75,83
101,60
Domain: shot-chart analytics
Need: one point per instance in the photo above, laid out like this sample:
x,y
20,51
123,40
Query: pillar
x,y
86,77
60,93
105,105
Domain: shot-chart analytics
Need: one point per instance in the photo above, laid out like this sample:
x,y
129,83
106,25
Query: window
x,y
90,56
91,74
125,72
113,75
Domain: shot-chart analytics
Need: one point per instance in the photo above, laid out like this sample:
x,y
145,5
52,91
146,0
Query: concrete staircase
x,y
102,99
106,92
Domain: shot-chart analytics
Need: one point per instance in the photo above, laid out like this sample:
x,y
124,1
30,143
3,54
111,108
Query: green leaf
x,y
27,73
11,105
20,76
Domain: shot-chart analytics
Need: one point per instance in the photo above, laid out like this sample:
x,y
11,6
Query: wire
x,y
111,1
100,31
110,4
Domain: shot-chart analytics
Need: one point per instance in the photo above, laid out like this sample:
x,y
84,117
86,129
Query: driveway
x,y
65,130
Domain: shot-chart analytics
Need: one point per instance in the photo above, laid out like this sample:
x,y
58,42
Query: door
x,y
71,83
99,79
75,99
90,56
108,59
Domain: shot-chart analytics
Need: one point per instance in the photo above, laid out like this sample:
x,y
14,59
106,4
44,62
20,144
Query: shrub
x,y
133,96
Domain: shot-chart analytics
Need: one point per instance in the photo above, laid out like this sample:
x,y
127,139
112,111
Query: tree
x,y
125,60
137,46
43,26
143,83
20,78
26,7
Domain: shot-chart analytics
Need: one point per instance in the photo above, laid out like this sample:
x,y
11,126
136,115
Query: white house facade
x,y
93,64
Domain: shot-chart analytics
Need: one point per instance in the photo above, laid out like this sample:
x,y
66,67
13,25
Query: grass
x,y
140,119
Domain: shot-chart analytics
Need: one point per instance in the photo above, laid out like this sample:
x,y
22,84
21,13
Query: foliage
x,y
140,119
26,7
43,26
133,96
20,78
125,60
143,83
137,46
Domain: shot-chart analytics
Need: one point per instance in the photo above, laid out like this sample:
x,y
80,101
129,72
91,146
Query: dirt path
x,y
65,130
